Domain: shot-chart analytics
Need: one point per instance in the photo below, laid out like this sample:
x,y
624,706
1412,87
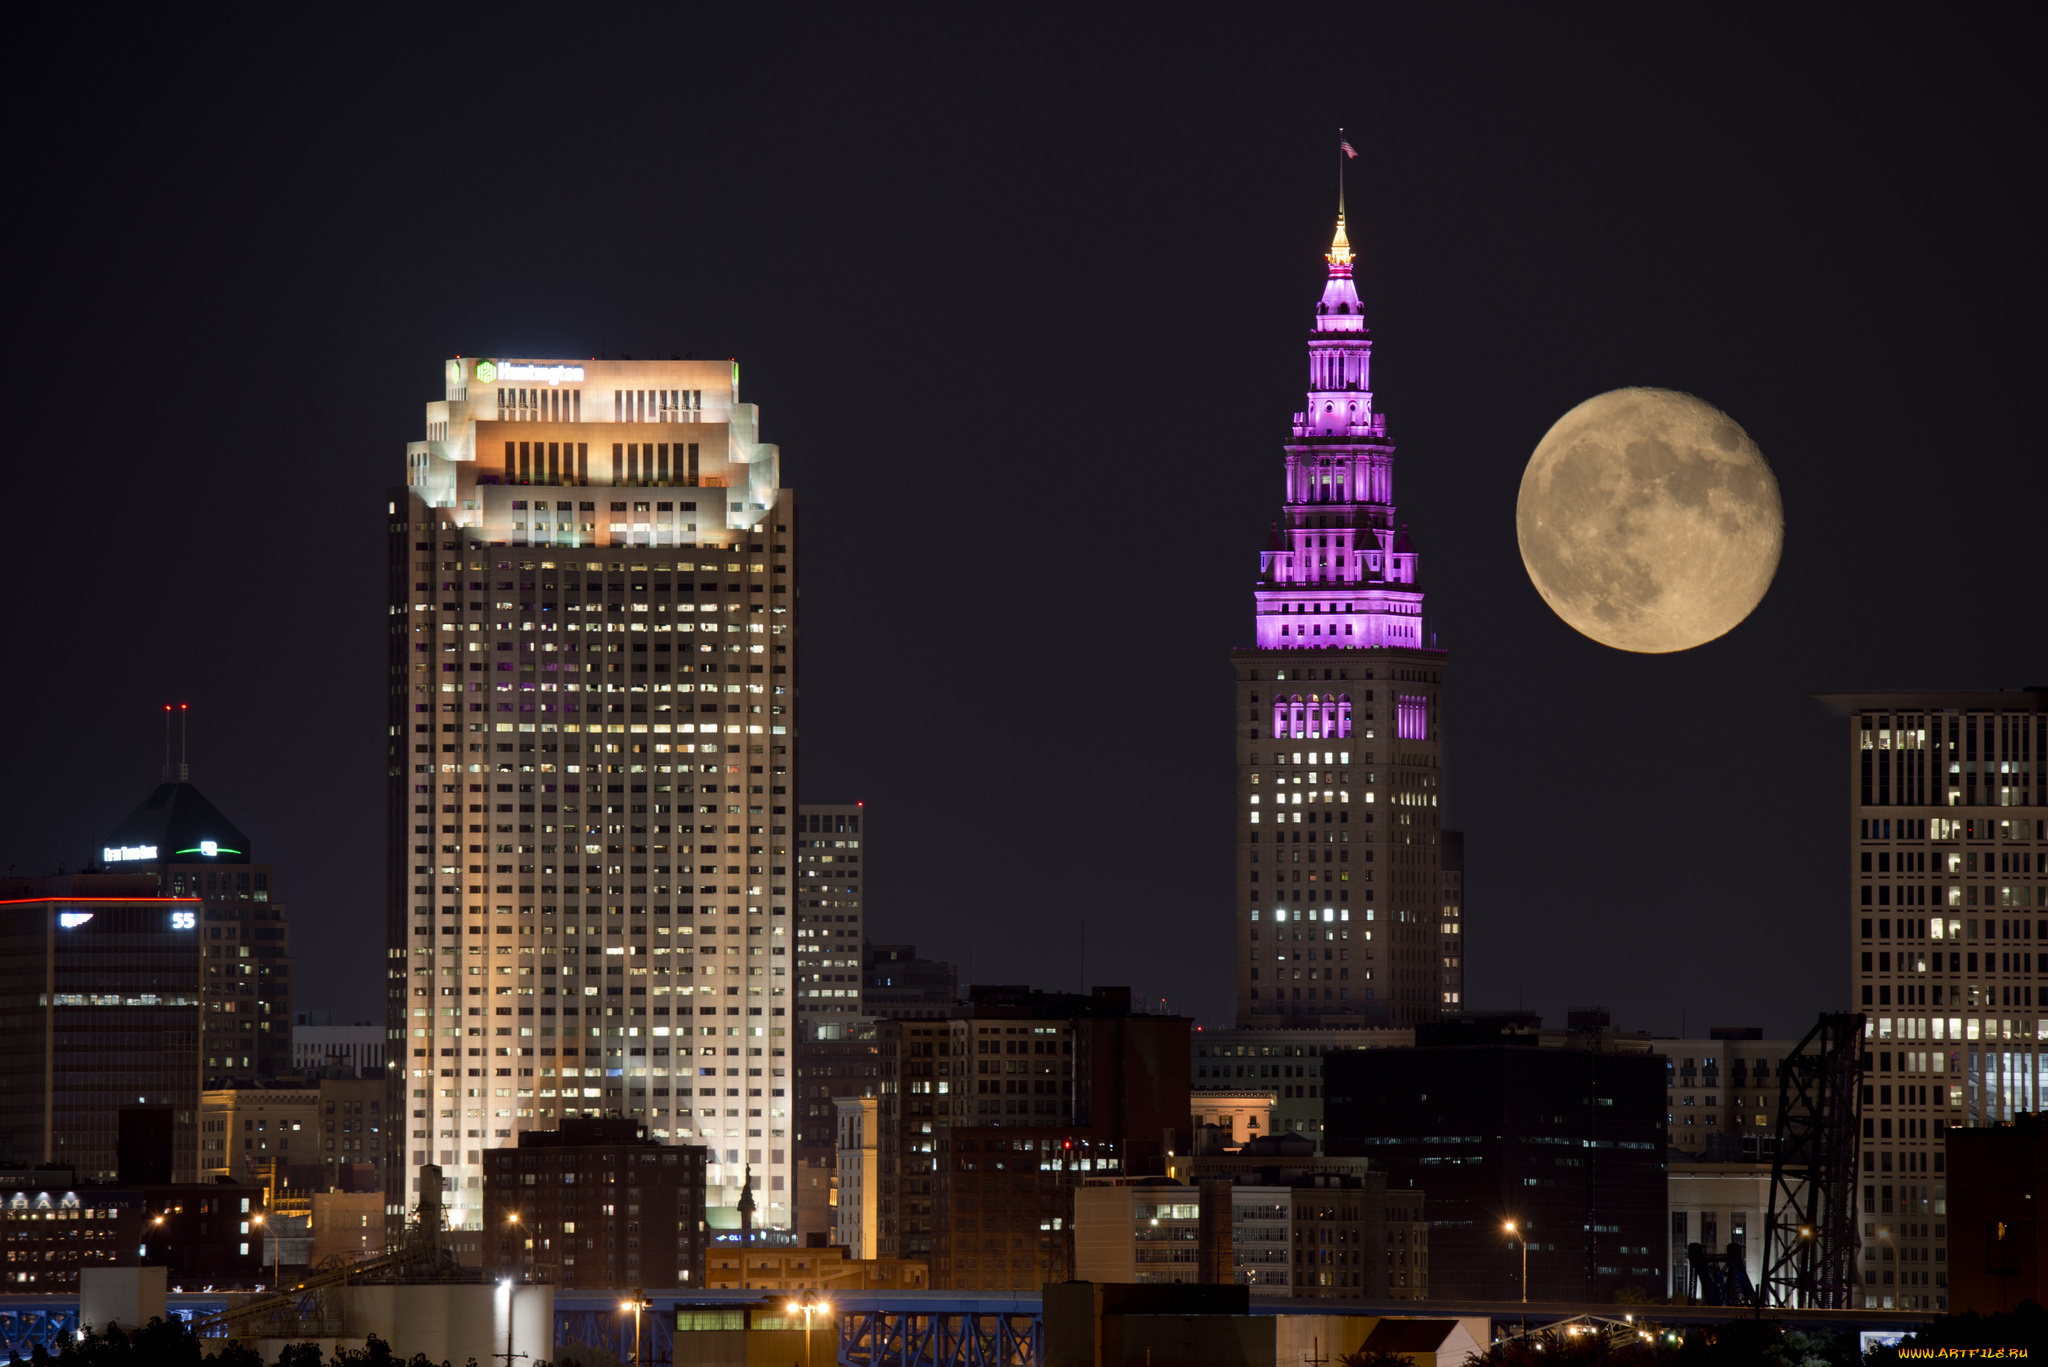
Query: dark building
x,y
1453,922
1057,1086
596,1205
1565,1142
898,985
833,1058
208,1236
194,851
102,1004
1996,1179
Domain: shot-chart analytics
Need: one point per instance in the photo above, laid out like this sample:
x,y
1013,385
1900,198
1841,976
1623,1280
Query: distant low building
x,y
811,1269
336,1048
1306,1226
1998,1239
1566,1141
208,1236
596,1205
897,985
859,1186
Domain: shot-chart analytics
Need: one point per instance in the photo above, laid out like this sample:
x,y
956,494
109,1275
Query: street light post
x,y
1522,1235
808,1306
639,1299
276,1265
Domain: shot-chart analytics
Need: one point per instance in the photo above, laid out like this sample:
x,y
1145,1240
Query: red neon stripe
x,y
16,901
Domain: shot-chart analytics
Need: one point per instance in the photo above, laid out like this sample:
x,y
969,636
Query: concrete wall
x,y
128,1296
452,1323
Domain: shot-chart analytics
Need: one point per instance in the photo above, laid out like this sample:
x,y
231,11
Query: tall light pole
x,y
639,1299
808,1306
1523,1235
276,1254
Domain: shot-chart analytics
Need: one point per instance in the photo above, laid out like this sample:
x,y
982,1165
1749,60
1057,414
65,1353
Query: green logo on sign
x,y
486,371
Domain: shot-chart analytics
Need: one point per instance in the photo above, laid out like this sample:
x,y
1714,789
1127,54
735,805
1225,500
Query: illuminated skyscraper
x,y
1339,728
1948,957
592,772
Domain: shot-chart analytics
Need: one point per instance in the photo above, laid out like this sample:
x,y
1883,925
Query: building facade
x,y
597,1205
1565,1142
1453,921
1310,1227
1948,954
592,769
830,903
192,850
52,1226
857,1196
1340,872
318,1046
102,999
990,1119
1288,1063
901,986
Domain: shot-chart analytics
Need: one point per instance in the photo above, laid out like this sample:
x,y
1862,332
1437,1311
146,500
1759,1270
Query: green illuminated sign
x,y
486,371
208,849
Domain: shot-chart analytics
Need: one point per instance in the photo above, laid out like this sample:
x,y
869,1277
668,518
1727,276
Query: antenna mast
x,y
167,742
184,769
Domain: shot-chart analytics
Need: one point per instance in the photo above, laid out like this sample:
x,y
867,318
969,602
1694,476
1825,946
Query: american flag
x,y
1349,150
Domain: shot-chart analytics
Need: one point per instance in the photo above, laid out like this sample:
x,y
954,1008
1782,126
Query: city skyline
x,y
1513,273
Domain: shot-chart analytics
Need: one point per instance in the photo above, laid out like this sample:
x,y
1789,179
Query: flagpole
x,y
1340,170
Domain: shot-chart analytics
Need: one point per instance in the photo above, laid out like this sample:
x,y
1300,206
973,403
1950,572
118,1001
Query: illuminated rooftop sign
x,y
72,920
205,849
489,372
114,854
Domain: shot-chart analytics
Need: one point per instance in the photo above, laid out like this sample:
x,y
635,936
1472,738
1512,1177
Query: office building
x,y
835,1043
837,1060
1566,1142
1287,1063
592,764
320,1046
1998,1174
192,850
901,986
321,1136
989,1120
174,939
1948,954
1339,854
1306,1226
1721,1206
830,905
207,1237
596,1205
1722,1093
856,1205
1452,923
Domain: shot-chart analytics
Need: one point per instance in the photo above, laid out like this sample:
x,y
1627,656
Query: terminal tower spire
x,y
1342,917
1337,565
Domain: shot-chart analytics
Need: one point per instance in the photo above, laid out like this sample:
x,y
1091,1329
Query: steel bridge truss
x,y
922,1338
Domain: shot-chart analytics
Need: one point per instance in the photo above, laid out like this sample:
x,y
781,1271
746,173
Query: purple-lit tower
x,y
1340,883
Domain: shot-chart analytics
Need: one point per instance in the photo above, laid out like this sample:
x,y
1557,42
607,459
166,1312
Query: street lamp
x,y
1523,1235
276,1253
808,1306
635,1305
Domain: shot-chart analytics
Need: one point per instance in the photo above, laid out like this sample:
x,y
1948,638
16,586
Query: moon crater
x,y
1649,521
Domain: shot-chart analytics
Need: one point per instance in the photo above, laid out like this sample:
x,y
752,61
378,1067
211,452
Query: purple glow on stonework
x,y
1411,718
1320,716
1339,572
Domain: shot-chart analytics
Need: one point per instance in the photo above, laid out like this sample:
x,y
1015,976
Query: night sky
x,y
1023,297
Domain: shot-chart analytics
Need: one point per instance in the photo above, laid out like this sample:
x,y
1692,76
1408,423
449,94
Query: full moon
x,y
1649,521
